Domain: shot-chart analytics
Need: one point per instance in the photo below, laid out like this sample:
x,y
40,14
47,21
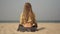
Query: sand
x,y
44,28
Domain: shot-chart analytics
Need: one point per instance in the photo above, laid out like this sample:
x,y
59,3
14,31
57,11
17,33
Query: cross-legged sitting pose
x,y
27,19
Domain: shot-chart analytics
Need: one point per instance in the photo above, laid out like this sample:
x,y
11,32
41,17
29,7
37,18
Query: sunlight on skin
x,y
27,25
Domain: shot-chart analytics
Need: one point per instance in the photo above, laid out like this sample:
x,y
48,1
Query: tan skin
x,y
27,25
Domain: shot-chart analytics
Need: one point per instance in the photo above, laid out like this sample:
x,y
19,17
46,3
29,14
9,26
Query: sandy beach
x,y
44,28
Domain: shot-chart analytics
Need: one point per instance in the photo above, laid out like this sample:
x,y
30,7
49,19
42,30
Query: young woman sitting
x,y
27,19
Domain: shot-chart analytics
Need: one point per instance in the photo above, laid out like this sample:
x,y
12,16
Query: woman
x,y
27,19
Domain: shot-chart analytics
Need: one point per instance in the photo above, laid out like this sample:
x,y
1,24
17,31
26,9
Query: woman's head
x,y
27,9
27,6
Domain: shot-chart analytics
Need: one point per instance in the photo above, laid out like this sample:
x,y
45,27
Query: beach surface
x,y
44,28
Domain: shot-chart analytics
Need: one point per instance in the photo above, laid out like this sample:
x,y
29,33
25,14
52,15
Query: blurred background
x,y
45,10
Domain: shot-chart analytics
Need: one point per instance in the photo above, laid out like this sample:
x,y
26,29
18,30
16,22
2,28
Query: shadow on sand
x,y
42,28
